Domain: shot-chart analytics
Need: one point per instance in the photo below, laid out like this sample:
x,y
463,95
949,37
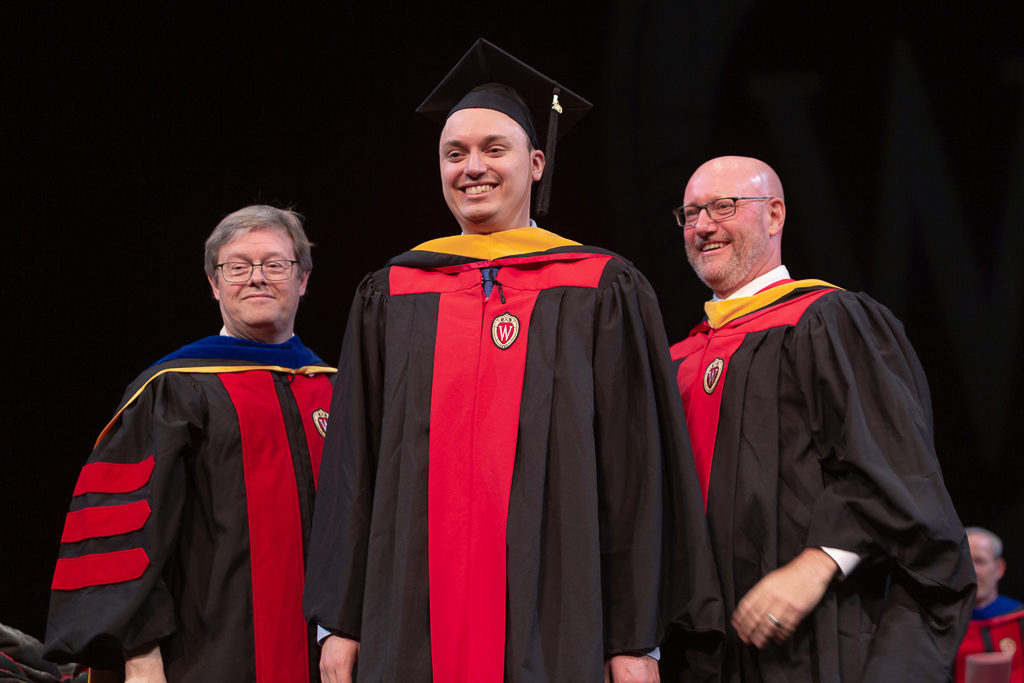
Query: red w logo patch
x,y
504,330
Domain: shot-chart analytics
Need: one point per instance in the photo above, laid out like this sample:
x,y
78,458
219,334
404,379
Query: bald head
x,y
753,176
730,252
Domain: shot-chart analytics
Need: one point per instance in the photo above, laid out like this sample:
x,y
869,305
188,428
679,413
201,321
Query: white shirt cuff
x,y
846,560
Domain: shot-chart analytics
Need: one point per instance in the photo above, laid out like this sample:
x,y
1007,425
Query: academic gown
x,y
189,523
811,426
505,492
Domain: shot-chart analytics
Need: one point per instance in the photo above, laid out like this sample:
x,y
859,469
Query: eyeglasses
x,y
718,210
240,271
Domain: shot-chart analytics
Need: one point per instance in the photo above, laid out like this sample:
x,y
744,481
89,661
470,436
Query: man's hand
x,y
146,667
337,657
629,669
776,605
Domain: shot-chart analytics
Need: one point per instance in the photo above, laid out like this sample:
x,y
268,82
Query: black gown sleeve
x,y
869,410
336,568
137,471
657,564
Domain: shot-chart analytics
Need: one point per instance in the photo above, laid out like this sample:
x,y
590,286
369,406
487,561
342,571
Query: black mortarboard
x,y
487,77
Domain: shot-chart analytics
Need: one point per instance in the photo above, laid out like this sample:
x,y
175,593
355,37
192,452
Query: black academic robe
x,y
811,425
505,492
189,523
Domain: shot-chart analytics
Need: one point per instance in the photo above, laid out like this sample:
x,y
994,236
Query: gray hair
x,y
256,217
997,543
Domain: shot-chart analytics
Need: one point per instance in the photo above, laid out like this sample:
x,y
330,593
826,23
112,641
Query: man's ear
x,y
213,286
537,162
776,216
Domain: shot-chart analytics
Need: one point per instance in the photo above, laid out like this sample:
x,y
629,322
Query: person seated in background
x,y
989,565
997,621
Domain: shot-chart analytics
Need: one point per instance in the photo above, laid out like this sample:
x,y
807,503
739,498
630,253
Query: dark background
x,y
128,132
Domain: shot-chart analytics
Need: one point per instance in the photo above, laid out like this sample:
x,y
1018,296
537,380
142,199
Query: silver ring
x,y
775,622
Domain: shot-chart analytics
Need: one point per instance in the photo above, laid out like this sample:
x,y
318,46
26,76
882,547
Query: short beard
x,y
733,274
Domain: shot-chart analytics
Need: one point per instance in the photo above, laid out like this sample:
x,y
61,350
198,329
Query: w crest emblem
x,y
320,420
504,330
712,374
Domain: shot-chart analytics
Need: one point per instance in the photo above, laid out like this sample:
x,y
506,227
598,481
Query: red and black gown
x,y
189,524
811,425
507,492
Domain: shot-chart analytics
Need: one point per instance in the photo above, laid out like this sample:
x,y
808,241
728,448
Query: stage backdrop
x,y
898,133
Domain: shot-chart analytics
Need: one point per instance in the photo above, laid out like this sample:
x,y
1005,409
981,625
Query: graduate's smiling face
x,y
487,169
259,309
729,253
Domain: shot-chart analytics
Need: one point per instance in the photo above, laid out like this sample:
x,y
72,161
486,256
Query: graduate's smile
x,y
477,190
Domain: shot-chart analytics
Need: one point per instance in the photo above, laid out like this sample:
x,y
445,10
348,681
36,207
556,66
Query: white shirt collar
x,y
224,333
758,283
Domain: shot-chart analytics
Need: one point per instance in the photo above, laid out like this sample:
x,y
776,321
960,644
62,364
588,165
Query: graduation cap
x,y
487,77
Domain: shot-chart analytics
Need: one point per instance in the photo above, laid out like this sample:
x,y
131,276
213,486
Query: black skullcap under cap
x,y
487,77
